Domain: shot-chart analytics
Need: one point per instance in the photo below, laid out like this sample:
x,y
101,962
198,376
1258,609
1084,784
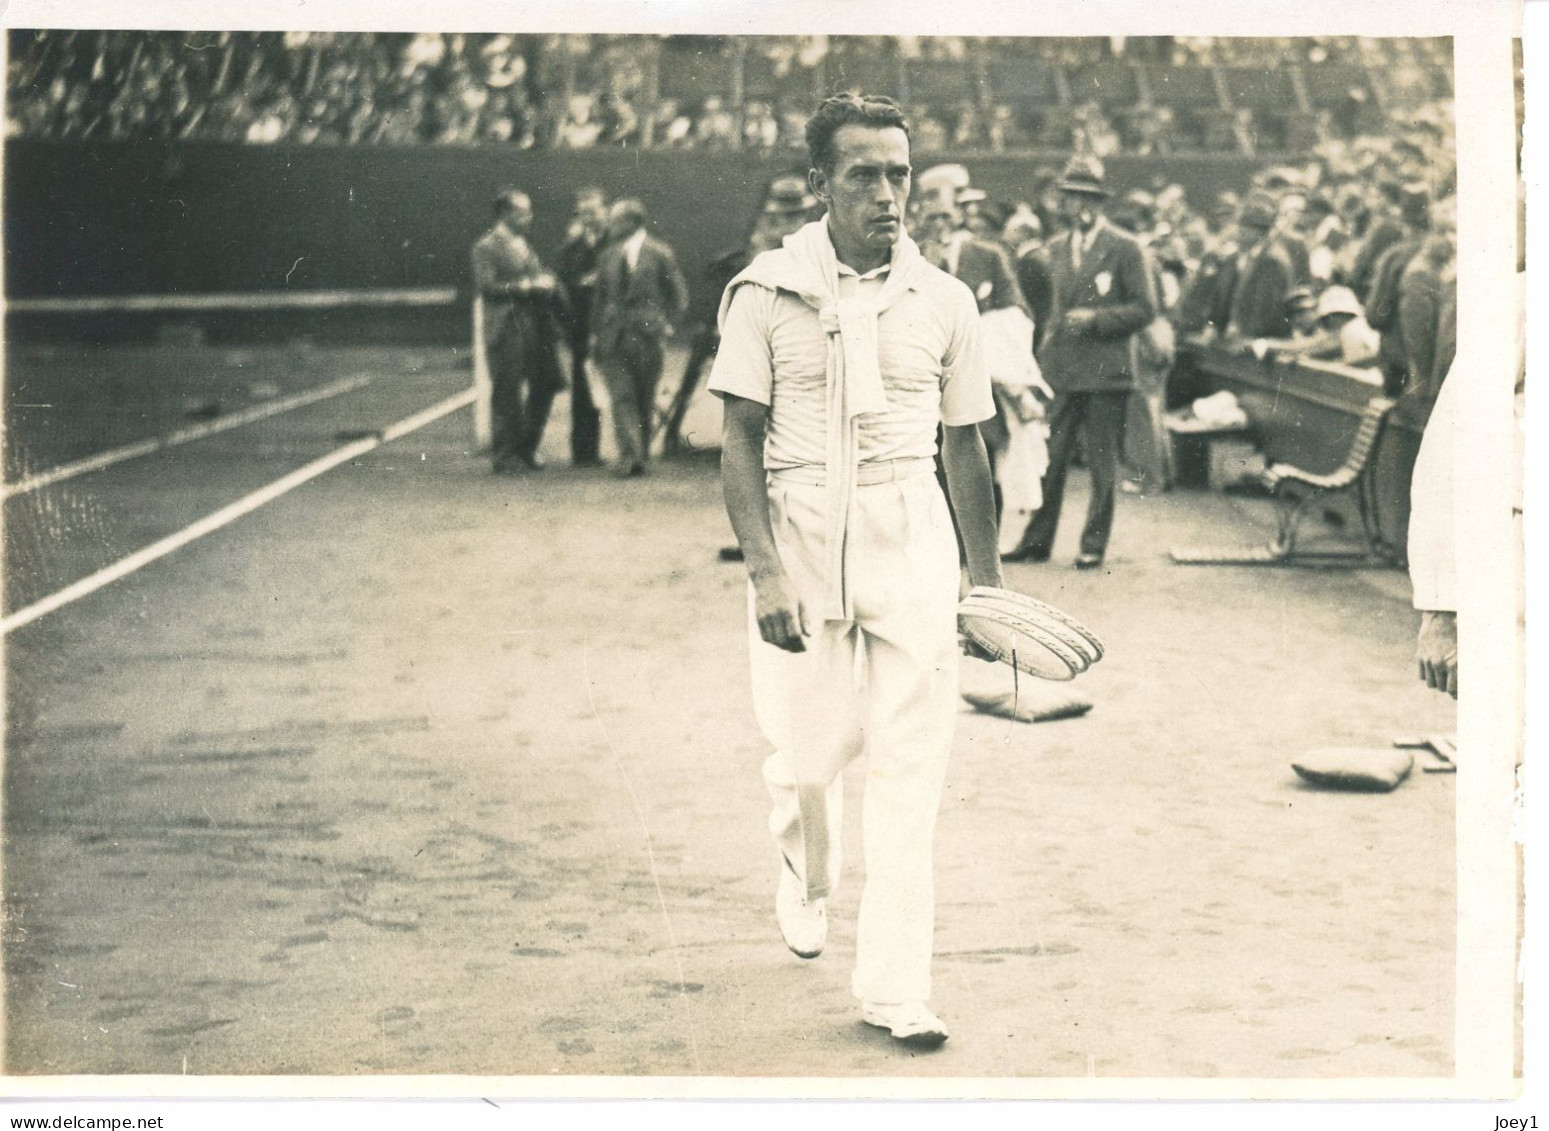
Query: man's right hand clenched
x,y
782,619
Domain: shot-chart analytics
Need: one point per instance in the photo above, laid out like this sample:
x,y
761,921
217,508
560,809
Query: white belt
x,y
866,474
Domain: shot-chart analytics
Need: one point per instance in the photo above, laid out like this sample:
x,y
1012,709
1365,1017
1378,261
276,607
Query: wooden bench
x,y
1297,492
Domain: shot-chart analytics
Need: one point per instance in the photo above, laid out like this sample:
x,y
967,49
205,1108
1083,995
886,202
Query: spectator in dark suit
x,y
1291,241
1207,293
1382,299
980,263
1427,301
640,294
1031,256
984,266
520,296
1383,228
1103,295
1261,277
577,269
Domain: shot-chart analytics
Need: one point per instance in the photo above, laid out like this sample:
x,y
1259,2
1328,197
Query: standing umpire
x,y
1103,295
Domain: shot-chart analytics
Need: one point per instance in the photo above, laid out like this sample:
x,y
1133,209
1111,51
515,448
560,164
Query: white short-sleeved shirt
x,y
774,351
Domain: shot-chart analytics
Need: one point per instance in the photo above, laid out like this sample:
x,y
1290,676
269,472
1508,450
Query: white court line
x,y
227,515
183,435
250,300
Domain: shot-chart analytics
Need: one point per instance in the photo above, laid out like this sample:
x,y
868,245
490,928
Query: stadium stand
x,y
1136,95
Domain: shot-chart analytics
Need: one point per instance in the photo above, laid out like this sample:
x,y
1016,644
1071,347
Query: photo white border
x,y
1487,891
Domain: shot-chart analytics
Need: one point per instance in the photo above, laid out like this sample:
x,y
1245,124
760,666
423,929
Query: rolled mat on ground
x,y
1363,770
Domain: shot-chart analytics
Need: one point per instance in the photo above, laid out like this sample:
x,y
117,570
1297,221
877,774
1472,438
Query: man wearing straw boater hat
x,y
841,353
1103,296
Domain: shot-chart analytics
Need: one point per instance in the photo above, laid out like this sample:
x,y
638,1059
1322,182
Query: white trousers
x,y
884,684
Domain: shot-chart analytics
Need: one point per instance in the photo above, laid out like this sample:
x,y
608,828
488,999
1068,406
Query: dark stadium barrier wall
x,y
151,219
1306,414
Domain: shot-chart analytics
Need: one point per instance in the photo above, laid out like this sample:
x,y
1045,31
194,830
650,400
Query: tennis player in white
x,y
841,354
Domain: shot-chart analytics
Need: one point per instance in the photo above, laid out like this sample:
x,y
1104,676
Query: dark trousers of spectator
x,y
1099,419
1395,377
518,405
705,343
585,420
632,367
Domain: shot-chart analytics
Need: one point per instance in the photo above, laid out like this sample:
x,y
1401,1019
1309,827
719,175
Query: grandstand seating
x,y
1110,85
1204,94
692,70
939,83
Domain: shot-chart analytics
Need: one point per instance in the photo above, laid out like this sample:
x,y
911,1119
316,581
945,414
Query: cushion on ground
x,y
1030,704
1367,770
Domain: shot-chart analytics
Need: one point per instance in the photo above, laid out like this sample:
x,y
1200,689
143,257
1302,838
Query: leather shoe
x,y
1089,561
1026,554
803,922
909,1021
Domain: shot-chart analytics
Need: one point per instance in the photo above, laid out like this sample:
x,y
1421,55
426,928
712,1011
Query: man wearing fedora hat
x,y
1260,280
1103,296
787,205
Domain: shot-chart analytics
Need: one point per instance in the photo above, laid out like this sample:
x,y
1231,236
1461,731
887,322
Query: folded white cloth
x,y
1006,339
1019,471
807,266
1220,410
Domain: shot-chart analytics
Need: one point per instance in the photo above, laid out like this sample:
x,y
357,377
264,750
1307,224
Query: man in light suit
x,y
521,298
1103,295
640,294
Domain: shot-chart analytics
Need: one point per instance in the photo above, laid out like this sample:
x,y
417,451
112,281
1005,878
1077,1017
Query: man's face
x,y
1441,241
778,225
1253,232
977,222
868,188
592,212
1079,209
940,223
518,216
621,223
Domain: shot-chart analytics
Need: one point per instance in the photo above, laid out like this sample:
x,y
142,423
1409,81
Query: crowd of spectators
x,y
1348,257
584,91
305,87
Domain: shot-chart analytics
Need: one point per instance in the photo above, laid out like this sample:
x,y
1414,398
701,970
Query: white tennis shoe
x,y
910,1021
803,922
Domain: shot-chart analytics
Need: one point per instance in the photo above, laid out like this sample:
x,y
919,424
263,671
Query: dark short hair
x,y
631,210
506,200
848,109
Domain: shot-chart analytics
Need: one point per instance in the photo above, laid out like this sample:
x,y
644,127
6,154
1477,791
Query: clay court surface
x,y
420,770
